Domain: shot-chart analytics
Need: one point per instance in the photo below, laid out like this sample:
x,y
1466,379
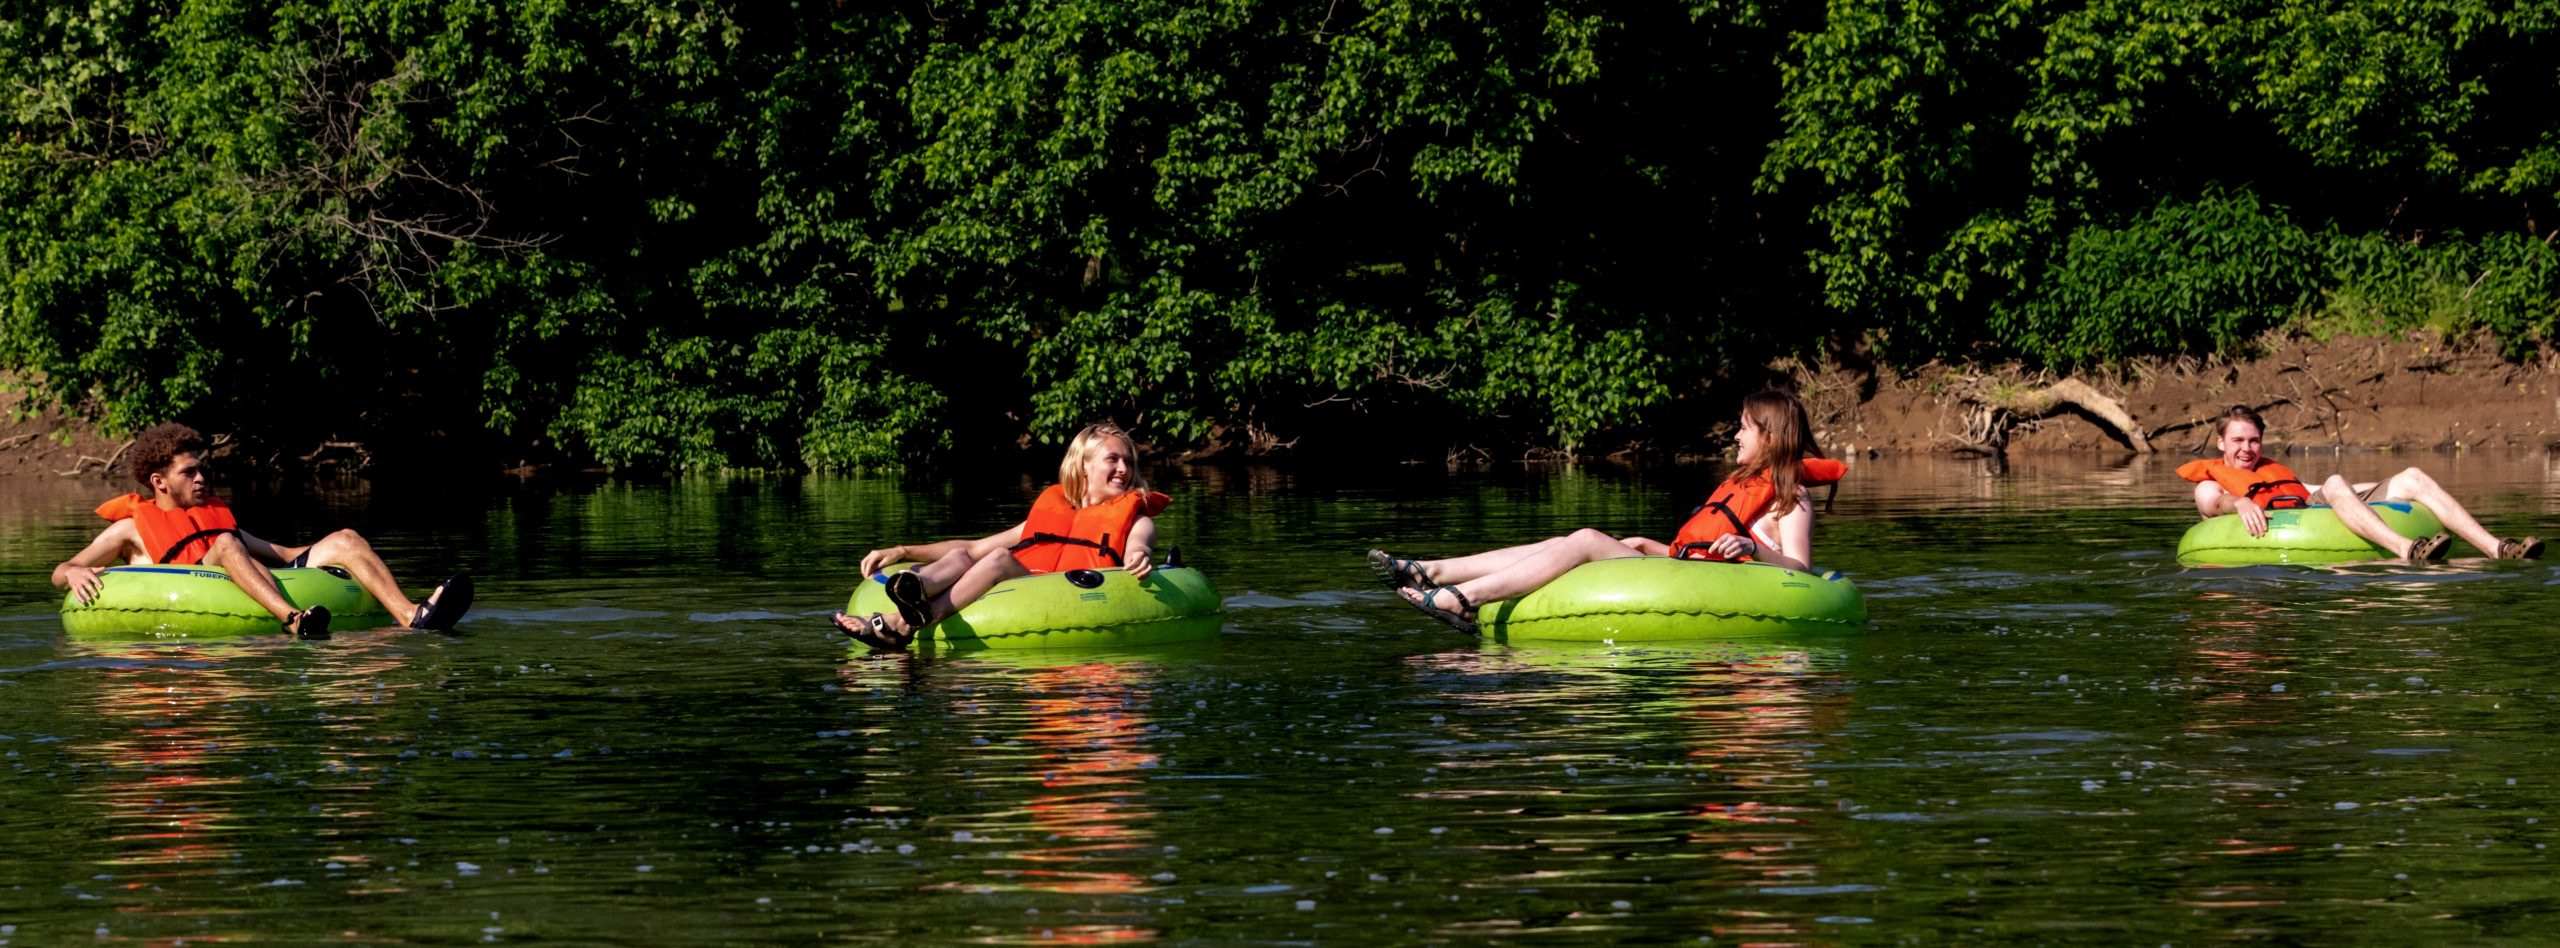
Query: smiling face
x,y
1748,440
2243,445
1110,469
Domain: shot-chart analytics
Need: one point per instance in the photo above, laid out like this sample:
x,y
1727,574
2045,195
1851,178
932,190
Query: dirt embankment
x,y
2354,393
46,444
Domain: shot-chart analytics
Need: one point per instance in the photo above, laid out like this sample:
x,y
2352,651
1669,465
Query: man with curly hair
x,y
180,523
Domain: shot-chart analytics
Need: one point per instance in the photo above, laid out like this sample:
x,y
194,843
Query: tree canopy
x,y
830,235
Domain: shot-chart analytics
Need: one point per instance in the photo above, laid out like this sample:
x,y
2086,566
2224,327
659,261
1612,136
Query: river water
x,y
647,734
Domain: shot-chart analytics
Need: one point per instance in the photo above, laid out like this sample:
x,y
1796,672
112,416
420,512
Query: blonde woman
x,y
1099,514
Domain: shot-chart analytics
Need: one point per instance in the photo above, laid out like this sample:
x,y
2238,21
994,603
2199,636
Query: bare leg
x,y
1539,565
982,576
1450,572
2414,484
973,582
943,573
348,550
2341,497
250,575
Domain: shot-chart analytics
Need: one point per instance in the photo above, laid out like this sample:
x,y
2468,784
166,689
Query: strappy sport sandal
x,y
1462,619
1396,573
906,591
2429,549
874,631
2520,548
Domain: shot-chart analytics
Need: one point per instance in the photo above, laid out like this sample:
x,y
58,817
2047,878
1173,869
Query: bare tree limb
x,y
1996,411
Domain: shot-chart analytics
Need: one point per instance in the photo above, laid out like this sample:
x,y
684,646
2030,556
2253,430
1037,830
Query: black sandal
x,y
312,623
1463,619
874,631
445,606
906,591
1396,573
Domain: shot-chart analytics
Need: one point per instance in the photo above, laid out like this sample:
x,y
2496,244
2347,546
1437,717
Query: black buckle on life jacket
x,y
1702,551
2280,501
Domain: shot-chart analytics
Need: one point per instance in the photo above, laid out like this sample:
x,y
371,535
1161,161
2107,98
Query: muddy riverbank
x,y
2342,393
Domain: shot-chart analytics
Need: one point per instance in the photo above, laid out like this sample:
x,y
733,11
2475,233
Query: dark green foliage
x,y
2211,275
705,235
2202,276
1986,168
2505,285
700,235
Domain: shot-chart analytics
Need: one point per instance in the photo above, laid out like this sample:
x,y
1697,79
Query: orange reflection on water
x,y
172,724
1750,719
1070,935
2227,644
179,738
1750,716
2235,653
1087,726
1090,729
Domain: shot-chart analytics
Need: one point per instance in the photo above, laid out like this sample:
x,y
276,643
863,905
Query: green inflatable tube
x,y
2310,535
1660,599
1082,608
184,602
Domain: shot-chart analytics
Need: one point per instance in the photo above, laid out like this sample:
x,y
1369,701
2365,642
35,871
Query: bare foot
x,y
884,633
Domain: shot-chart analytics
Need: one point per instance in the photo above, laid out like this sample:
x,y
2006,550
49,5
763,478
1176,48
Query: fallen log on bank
x,y
1996,409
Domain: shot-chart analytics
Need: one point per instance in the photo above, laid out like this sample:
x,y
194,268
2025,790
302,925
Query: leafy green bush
x,y
2206,275
2504,285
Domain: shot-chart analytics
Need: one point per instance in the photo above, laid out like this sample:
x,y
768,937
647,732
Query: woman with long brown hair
x,y
1761,512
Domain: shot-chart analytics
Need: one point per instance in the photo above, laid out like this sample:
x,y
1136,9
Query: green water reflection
x,y
647,735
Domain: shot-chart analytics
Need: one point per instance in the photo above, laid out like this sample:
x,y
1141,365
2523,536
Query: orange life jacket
x,y
1736,502
2272,486
175,537
1059,536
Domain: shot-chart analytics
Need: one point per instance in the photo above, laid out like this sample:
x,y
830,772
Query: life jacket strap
x,y
172,552
1039,538
1684,550
2280,501
1729,516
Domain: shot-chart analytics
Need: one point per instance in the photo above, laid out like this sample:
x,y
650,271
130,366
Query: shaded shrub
x,y
2200,276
